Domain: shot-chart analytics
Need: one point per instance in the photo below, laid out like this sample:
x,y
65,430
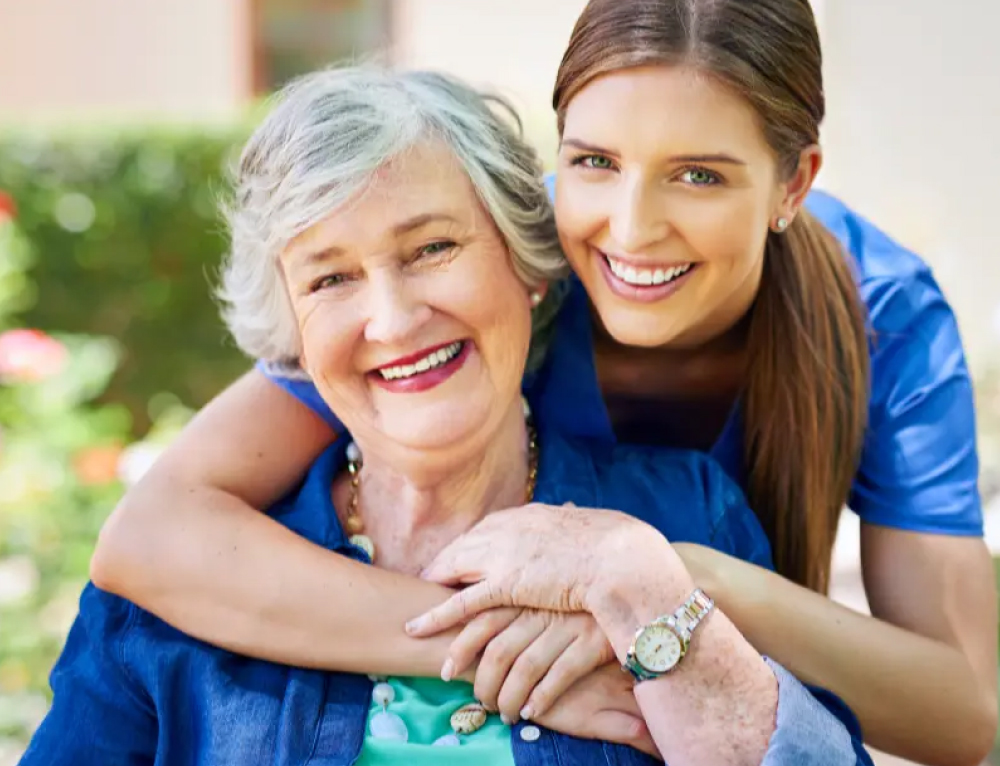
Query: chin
x,y
637,327
436,428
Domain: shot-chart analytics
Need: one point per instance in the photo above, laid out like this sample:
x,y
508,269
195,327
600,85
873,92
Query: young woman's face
x,y
665,191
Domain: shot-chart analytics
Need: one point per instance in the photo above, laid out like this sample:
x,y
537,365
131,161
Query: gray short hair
x,y
327,136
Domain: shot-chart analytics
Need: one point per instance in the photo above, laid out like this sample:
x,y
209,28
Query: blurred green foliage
x,y
63,457
59,459
58,481
126,240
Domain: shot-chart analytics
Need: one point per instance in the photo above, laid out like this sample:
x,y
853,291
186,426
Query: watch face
x,y
658,648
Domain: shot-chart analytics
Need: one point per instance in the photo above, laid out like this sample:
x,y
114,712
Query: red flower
x,y
8,208
30,355
97,465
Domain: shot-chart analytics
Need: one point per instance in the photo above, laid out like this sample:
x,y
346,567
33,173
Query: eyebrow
x,y
418,221
716,158
401,228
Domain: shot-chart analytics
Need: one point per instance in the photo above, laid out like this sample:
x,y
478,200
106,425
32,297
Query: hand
x,y
543,557
529,658
602,706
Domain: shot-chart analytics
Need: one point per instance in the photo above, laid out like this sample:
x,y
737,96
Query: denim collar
x,y
566,473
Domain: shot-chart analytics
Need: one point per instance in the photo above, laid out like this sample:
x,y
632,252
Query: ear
x,y
797,187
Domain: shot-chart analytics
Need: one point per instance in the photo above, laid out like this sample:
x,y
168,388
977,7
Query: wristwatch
x,y
660,646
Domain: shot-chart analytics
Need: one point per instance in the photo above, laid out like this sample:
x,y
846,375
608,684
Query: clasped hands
x,y
532,580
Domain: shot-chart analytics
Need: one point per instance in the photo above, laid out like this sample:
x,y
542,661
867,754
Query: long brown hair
x,y
805,403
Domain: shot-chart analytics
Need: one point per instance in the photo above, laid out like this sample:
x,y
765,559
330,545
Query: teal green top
x,y
426,705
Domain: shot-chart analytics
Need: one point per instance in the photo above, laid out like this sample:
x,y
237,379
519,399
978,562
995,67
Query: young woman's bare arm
x,y
188,544
922,677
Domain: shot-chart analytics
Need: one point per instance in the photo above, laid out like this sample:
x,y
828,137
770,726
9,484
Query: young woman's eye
x,y
700,177
325,282
594,162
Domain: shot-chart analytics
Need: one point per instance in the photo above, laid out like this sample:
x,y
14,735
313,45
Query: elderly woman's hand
x,y
545,557
527,658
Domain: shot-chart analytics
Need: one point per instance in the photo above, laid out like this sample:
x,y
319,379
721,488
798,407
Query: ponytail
x,y
806,402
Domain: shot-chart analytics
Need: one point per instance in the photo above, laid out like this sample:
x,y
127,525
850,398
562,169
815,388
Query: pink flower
x,y
30,355
8,208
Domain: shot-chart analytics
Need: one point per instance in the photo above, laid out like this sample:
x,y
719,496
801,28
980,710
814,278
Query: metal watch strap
x,y
690,613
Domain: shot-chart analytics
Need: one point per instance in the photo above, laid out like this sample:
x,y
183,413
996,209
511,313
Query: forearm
x,y
719,705
915,697
724,704
227,574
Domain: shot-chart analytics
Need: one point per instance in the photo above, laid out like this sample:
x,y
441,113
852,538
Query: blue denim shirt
x,y
130,690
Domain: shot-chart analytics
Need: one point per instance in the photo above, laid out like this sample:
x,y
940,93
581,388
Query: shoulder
x,y
913,326
919,467
308,508
876,254
101,643
293,380
896,285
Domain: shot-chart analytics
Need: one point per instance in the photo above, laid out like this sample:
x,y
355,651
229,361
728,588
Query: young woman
x,y
723,316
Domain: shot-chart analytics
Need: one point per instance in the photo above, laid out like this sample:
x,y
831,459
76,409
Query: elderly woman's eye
x,y
594,162
436,248
330,280
700,177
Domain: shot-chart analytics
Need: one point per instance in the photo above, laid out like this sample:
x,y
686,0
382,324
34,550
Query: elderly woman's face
x,y
414,326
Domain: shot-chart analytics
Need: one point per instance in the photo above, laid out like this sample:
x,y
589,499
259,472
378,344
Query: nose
x,y
395,309
638,218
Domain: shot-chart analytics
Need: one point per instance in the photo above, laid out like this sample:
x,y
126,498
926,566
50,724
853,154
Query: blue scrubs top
x,y
919,468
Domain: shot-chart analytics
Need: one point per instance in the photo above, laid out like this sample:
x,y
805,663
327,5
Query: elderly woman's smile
x,y
412,319
424,369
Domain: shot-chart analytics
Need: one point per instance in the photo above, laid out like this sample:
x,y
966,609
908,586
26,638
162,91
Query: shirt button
x,y
530,733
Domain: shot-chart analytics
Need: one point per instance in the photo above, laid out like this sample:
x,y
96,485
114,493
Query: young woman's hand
x,y
526,658
602,706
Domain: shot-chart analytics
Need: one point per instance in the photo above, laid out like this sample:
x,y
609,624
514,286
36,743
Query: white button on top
x,y
384,695
530,733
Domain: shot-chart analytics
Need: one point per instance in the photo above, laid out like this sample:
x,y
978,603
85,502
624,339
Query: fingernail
x,y
413,626
505,720
447,670
527,712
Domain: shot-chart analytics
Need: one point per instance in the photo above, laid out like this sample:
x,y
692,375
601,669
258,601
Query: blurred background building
x,y
117,118
913,89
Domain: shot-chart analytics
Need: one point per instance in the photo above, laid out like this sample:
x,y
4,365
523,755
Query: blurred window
x,y
292,37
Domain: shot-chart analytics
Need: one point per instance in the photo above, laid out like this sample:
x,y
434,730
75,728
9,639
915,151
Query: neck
x,y
412,506
715,367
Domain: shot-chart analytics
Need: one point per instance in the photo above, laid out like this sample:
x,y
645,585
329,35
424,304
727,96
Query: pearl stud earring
x,y
536,298
781,224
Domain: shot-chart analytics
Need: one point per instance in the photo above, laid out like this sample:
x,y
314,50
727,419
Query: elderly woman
x,y
393,234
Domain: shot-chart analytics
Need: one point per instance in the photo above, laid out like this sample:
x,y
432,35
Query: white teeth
x,y
643,277
429,362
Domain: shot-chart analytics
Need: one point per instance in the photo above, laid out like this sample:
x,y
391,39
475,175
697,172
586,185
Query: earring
x,y
536,298
780,225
